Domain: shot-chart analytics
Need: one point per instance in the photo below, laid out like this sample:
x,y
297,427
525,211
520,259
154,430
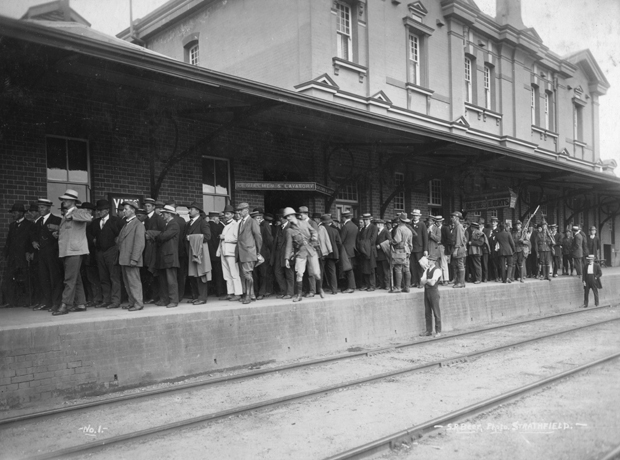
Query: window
x,y
434,192
348,193
468,82
414,59
399,199
534,105
343,32
577,123
549,111
492,213
215,183
193,54
488,80
67,166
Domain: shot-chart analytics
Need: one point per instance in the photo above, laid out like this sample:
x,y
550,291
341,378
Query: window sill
x,y
544,132
580,143
483,113
339,63
419,89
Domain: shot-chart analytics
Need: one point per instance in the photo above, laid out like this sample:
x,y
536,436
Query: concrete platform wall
x,y
90,353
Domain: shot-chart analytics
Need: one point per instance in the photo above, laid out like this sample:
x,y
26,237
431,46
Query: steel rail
x,y
411,434
79,449
612,454
283,368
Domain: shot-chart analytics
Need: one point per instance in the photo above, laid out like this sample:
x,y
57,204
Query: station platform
x,y
45,357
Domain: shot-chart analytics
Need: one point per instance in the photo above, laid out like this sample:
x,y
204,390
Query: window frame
x,y
534,105
435,183
191,56
68,183
399,178
228,196
577,122
344,35
489,101
414,58
469,90
346,190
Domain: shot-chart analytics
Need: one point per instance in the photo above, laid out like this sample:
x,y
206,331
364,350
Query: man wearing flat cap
x,y
250,242
18,253
72,245
45,242
197,229
131,241
430,281
106,229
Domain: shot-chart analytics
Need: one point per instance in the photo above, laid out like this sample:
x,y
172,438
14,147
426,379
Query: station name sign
x,y
507,199
284,186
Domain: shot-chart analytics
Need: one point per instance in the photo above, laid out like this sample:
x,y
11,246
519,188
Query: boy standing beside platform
x,y
430,280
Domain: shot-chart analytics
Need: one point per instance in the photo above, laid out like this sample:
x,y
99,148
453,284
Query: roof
x,y
58,10
585,59
309,110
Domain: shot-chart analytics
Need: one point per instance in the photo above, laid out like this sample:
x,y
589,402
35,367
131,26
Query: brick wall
x,y
65,359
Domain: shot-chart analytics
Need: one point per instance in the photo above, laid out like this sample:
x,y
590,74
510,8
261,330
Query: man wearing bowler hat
x,y
348,236
249,244
197,226
72,245
105,230
131,241
45,242
18,253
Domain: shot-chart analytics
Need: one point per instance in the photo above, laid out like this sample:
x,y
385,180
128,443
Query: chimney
x,y
509,12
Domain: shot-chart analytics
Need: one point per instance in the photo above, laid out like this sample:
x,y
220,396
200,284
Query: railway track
x,y
210,417
276,369
410,435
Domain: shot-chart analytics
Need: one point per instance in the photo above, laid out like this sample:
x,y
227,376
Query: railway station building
x,y
376,106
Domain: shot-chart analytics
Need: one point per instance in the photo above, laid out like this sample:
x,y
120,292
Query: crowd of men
x,y
151,255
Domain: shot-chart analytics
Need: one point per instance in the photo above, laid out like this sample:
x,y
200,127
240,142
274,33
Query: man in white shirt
x,y
226,252
430,280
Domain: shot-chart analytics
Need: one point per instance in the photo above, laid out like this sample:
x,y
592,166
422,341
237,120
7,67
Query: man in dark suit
x,y
148,274
593,243
216,227
578,244
420,248
89,269
591,280
168,259
45,242
491,233
263,273
183,256
331,259
446,266
383,264
197,226
348,236
505,251
285,276
18,252
249,244
545,244
105,230
131,242
367,250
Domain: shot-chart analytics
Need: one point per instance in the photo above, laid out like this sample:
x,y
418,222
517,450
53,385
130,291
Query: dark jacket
x,y
105,238
18,243
168,242
381,237
279,245
597,274
267,246
43,234
594,245
420,237
334,239
367,243
182,240
214,242
199,227
348,235
506,244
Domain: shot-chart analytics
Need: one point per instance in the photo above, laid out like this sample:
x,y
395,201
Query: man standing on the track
x,y
430,281
591,280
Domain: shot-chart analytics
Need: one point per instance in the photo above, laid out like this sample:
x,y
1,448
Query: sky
x,y
565,26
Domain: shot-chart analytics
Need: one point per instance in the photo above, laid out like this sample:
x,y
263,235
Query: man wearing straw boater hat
x,y
45,242
430,281
72,245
